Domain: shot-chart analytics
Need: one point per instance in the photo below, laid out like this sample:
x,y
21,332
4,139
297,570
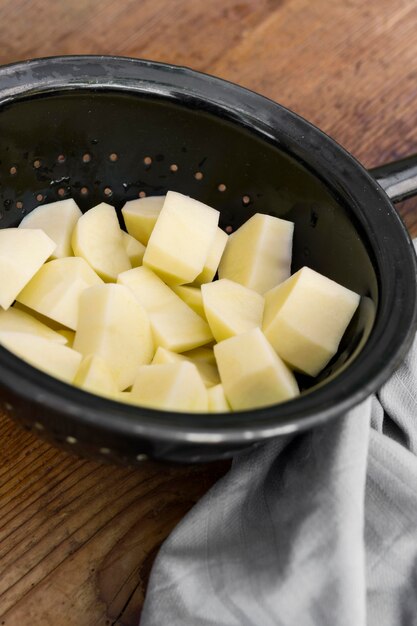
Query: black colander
x,y
113,129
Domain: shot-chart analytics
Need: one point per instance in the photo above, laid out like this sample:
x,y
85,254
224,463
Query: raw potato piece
x,y
18,321
231,309
217,402
182,238
208,371
140,216
134,249
191,296
252,373
212,262
258,254
305,318
98,239
170,387
22,253
57,220
113,325
68,335
49,356
55,290
175,326
95,375
41,318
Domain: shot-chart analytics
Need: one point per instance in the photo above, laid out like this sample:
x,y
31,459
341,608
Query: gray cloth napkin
x,y
318,529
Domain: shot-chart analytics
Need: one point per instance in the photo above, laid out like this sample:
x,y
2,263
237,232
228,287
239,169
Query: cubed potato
x,y
212,262
97,238
191,296
251,372
18,321
57,220
258,254
305,318
140,216
217,402
134,249
112,324
68,335
230,308
95,375
203,353
170,387
124,396
41,318
175,326
22,253
49,356
181,239
208,371
55,289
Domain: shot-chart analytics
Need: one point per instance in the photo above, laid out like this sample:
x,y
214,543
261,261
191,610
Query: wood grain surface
x,y
77,539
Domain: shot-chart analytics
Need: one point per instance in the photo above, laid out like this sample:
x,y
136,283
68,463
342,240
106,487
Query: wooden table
x,y
77,538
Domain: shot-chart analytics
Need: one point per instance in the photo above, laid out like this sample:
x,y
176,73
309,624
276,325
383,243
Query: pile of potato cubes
x,y
137,316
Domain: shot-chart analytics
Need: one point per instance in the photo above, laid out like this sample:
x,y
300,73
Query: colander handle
x,y
398,179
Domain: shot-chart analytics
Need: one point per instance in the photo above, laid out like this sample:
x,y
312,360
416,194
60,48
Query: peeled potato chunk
x,y
68,335
22,253
97,238
230,308
95,375
208,371
57,220
18,321
55,290
212,262
140,216
134,249
175,326
170,387
305,318
258,254
112,324
252,373
191,296
217,402
49,356
181,239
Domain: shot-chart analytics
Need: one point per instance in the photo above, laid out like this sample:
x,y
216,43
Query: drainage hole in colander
x,y
86,157
19,205
199,175
246,199
229,229
113,157
61,192
108,192
39,197
222,187
37,164
61,158
173,167
84,191
13,170
142,194
147,160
